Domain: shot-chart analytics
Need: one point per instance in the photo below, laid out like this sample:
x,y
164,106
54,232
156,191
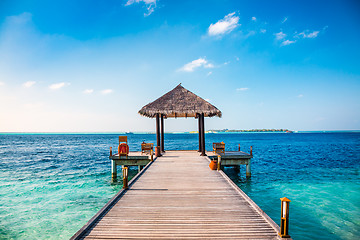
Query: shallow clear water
x,y
51,185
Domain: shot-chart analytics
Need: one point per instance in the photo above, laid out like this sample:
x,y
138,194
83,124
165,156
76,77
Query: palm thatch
x,y
179,102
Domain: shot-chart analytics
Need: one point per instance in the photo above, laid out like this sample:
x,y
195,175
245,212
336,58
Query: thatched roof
x,y
179,102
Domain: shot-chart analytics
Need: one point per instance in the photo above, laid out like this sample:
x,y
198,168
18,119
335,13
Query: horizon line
x,y
171,132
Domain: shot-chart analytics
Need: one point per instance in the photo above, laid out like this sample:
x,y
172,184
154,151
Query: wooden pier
x,y
133,159
233,159
177,196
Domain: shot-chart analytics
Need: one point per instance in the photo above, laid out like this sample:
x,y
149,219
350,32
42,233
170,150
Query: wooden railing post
x,y
239,147
251,150
113,170
219,163
110,151
248,168
284,224
125,177
151,155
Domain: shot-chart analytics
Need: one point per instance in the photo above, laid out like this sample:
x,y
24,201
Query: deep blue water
x,y
51,185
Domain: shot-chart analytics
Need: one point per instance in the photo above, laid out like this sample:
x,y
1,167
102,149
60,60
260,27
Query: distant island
x,y
251,130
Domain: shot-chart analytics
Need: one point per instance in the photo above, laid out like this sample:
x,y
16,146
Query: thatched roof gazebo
x,y
179,102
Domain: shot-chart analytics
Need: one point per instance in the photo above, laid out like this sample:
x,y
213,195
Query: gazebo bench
x,y
147,148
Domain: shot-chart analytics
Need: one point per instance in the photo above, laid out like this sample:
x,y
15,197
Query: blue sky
x,y
90,65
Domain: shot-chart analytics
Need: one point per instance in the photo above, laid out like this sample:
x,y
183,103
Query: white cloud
x,y
106,91
28,84
191,66
307,34
263,30
253,19
285,19
242,89
88,91
150,5
314,34
225,25
280,35
300,96
287,42
2,83
129,2
57,86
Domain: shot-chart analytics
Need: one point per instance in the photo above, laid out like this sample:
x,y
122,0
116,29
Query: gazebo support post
x,y
162,133
200,134
199,130
158,152
203,135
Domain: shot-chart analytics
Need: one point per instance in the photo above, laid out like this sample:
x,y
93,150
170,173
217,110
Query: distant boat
x,y
129,133
210,131
289,131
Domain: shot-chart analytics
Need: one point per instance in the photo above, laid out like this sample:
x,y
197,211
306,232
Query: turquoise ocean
x,y
52,184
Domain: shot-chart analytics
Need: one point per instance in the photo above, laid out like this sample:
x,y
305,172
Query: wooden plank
x,y
132,162
230,155
234,162
131,156
179,197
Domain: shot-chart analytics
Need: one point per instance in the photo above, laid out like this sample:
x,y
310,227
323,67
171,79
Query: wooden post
x,y
199,130
113,170
139,168
158,150
248,166
110,151
284,224
162,133
219,163
248,169
200,134
239,147
125,171
151,155
203,135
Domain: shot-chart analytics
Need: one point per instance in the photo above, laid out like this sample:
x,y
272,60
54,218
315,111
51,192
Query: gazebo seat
x,y
147,148
219,147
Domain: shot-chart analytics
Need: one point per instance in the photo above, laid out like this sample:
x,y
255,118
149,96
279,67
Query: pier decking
x,y
179,197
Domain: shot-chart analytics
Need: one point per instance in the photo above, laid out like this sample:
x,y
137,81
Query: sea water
x,y
52,184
